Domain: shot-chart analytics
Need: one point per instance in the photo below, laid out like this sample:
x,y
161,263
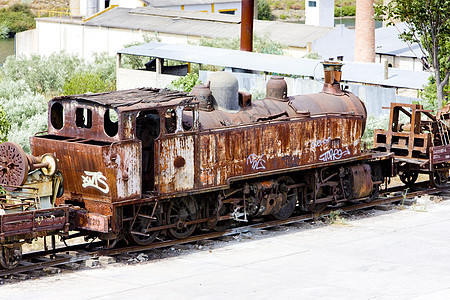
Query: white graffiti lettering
x,y
334,154
256,161
96,180
320,143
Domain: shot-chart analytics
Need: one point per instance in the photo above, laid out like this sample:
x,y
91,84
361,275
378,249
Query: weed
x,y
335,218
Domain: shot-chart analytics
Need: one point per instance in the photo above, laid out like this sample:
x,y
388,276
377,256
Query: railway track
x,y
59,257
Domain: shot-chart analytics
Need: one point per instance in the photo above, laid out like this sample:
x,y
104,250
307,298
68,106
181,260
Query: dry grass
x,y
58,5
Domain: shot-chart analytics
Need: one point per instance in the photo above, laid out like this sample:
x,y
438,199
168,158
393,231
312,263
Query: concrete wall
x,y
129,79
28,42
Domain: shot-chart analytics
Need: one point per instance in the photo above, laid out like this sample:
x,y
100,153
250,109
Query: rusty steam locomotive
x,y
130,165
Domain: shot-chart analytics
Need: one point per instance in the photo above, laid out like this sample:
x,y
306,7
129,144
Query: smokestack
x,y
332,78
365,31
247,25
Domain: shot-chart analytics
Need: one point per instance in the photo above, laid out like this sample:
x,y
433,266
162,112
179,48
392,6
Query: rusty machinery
x,y
419,140
143,162
146,161
30,186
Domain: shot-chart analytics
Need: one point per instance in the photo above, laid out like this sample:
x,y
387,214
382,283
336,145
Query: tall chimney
x,y
247,25
365,31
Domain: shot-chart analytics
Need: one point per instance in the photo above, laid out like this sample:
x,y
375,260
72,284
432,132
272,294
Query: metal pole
x,y
247,25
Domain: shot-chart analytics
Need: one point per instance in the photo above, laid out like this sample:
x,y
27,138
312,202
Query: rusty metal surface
x,y
91,221
362,180
92,127
35,221
276,88
247,25
440,154
98,173
13,165
259,148
412,140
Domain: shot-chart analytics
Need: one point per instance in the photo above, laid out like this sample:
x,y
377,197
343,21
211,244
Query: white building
x,y
231,7
319,13
87,8
111,29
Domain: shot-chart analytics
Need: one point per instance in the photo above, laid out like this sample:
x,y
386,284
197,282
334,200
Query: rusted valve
x,y
15,165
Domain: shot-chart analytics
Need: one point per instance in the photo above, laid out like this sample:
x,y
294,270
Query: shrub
x,y
261,44
283,17
45,75
264,11
185,83
347,11
17,18
25,111
86,82
4,31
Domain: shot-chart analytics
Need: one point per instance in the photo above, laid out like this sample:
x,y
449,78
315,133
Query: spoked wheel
x,y
409,177
10,257
290,197
145,220
181,211
439,178
13,165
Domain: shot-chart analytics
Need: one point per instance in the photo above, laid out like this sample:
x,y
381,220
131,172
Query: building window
x,y
312,3
227,11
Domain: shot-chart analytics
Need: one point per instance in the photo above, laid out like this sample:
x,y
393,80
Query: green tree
x,y
264,10
261,44
185,83
428,24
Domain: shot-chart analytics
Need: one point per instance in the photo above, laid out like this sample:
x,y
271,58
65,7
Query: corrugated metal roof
x,y
204,25
388,42
369,73
159,3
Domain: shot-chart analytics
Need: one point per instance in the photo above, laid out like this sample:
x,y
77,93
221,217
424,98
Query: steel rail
x,y
86,254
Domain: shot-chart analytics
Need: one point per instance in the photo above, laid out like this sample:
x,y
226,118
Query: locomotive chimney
x,y
332,78
247,25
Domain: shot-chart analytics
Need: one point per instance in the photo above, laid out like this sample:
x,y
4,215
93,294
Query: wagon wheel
x,y
179,212
409,177
290,197
10,257
139,233
439,178
13,165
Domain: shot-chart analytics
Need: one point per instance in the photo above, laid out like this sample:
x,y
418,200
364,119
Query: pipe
x,y
247,25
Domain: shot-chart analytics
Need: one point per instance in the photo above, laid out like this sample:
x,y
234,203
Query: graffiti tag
x,y
256,161
96,180
334,154
320,143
